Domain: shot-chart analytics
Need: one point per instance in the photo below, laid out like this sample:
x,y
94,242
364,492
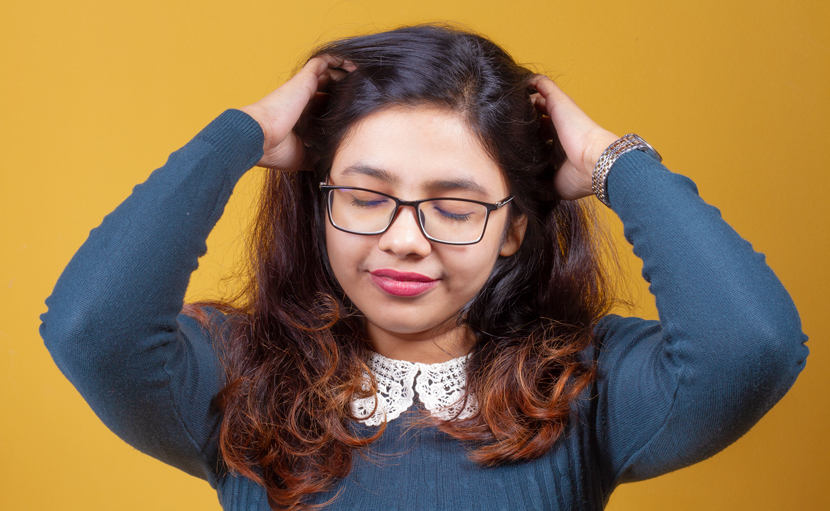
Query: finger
x,y
347,65
539,103
559,106
334,61
317,73
335,73
327,69
546,124
555,98
314,75
340,63
547,87
328,76
318,65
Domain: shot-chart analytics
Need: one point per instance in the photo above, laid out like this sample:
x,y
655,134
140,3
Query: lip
x,y
398,283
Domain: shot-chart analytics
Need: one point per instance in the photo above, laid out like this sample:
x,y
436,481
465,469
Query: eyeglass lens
x,y
365,212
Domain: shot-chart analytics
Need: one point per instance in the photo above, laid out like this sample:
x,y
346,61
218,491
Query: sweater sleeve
x,y
113,324
728,344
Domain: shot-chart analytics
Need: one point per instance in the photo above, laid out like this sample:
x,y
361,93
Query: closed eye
x,y
459,217
368,203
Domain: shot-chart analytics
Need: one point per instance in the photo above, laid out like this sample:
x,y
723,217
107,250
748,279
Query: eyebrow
x,y
366,170
435,184
445,185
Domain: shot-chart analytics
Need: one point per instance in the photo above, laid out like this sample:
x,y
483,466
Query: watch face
x,y
645,146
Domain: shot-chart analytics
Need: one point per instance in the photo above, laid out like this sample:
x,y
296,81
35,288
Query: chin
x,y
399,325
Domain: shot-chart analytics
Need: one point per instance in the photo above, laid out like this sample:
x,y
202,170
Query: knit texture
x,y
727,347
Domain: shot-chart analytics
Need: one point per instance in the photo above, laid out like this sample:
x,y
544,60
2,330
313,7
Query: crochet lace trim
x,y
440,388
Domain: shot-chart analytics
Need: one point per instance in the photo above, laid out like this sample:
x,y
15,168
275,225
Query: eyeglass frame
x,y
415,204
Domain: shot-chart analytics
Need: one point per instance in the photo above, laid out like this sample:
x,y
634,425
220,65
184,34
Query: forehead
x,y
414,151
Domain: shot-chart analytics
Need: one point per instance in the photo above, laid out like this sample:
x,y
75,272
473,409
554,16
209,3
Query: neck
x,y
439,345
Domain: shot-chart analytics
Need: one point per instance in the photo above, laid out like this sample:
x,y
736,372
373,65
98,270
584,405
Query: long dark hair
x,y
295,348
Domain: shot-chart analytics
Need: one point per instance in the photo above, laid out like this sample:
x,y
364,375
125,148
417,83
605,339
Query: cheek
x,y
349,255
469,269
340,253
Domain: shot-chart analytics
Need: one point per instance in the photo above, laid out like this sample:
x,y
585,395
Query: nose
x,y
404,237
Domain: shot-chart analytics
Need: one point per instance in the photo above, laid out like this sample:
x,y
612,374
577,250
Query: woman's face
x,y
416,153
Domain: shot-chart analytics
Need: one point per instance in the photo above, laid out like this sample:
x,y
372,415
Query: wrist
x,y
590,157
256,113
600,145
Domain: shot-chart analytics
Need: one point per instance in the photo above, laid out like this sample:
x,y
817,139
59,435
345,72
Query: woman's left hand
x,y
583,140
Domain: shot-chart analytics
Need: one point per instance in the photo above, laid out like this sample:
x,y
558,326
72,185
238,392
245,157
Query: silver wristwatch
x,y
630,142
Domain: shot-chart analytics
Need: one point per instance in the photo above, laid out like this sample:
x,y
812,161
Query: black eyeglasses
x,y
445,220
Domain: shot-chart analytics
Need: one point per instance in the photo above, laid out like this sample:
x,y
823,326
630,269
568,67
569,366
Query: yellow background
x,y
95,94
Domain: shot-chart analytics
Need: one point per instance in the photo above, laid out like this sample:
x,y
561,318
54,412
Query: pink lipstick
x,y
402,283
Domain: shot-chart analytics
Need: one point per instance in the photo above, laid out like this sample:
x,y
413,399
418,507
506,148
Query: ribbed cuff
x,y
634,170
244,134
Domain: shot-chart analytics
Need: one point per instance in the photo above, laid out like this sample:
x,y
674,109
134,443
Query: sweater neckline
x,y
440,387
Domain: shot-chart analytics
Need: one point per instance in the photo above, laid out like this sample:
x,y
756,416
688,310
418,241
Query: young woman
x,y
425,324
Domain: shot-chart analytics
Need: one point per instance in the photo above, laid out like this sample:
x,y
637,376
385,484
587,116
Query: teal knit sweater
x,y
670,393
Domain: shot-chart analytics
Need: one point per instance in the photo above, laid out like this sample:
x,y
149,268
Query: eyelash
x,y
363,204
451,216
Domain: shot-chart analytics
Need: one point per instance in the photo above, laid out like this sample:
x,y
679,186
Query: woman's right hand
x,y
280,111
582,139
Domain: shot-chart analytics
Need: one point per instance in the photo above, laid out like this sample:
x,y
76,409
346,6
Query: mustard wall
x,y
95,94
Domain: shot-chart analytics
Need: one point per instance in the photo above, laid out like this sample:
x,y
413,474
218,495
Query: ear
x,y
514,237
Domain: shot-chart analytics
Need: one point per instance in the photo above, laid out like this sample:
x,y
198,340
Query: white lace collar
x,y
440,388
